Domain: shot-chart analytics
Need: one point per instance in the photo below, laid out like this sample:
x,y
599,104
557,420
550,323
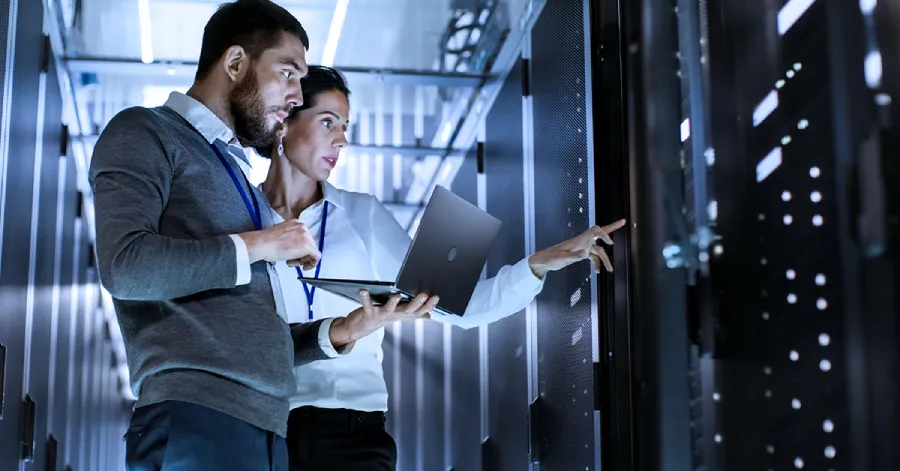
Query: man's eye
x,y
287,74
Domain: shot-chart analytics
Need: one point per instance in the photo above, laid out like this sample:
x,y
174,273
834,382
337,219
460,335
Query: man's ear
x,y
236,62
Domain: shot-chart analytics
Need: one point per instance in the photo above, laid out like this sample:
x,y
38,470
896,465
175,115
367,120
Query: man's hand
x,y
576,249
369,318
289,241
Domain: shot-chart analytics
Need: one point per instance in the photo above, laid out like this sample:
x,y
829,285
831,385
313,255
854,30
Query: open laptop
x,y
446,257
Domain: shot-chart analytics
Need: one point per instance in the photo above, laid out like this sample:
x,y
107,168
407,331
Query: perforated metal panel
x,y
4,32
565,369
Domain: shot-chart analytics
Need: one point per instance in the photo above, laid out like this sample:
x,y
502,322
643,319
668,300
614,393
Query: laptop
x,y
446,257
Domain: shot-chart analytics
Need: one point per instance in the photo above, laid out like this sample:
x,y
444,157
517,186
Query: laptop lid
x,y
449,251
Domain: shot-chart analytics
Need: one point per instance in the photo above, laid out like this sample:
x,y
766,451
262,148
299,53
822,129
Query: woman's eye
x,y
287,74
327,123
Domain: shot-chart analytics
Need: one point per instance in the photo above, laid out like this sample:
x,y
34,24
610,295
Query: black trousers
x,y
339,440
179,436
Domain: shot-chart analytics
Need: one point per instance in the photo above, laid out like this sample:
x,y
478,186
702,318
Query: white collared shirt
x,y
213,128
363,241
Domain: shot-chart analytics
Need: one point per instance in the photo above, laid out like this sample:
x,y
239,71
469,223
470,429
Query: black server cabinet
x,y
405,400
67,312
564,417
43,256
817,295
430,370
502,159
21,115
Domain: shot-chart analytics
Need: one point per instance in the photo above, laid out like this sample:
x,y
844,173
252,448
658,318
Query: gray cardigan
x,y
165,206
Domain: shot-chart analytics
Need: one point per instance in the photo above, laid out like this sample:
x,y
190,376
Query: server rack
x,y
60,402
781,313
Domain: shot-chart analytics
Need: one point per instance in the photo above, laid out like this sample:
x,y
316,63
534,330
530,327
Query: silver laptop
x,y
446,257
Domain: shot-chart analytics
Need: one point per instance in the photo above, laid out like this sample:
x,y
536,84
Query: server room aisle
x,y
61,405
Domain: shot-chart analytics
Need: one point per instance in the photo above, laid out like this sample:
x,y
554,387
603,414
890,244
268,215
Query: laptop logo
x,y
451,255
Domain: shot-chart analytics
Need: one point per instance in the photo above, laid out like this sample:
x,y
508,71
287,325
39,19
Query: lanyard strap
x,y
311,292
255,214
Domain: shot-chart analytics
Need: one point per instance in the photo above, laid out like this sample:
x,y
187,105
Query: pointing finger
x,y
600,233
609,228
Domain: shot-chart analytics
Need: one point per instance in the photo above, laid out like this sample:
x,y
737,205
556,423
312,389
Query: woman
x,y
337,417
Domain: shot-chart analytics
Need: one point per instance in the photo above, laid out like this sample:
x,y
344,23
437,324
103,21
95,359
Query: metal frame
x,y
531,340
592,216
868,273
614,369
356,75
484,364
33,236
52,395
657,293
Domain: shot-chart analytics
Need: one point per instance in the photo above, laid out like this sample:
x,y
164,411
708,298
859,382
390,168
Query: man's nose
x,y
295,98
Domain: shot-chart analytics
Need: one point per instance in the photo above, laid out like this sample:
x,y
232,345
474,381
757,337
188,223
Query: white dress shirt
x,y
212,129
363,241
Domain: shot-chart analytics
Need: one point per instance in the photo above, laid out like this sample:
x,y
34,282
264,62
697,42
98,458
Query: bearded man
x,y
185,246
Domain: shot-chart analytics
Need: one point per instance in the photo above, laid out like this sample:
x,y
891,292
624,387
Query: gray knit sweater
x,y
165,206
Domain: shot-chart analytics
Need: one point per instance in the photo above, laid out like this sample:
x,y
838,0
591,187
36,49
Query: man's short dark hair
x,y
255,25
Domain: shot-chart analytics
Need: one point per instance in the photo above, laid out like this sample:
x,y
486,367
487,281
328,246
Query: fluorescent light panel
x,y
146,34
334,32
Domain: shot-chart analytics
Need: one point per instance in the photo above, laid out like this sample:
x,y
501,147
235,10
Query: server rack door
x,y
85,354
430,395
387,365
20,125
507,378
789,386
405,397
463,388
66,312
78,325
43,254
561,177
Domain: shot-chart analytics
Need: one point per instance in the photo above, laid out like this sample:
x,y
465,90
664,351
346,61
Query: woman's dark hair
x,y
318,80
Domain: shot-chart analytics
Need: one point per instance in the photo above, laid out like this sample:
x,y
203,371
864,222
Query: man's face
x,y
268,91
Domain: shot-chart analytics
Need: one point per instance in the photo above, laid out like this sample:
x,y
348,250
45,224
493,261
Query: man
x,y
179,235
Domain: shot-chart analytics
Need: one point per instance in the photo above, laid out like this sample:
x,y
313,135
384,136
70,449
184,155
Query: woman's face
x,y
314,139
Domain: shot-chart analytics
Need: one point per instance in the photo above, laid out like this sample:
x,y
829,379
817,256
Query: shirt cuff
x,y
243,261
325,341
524,279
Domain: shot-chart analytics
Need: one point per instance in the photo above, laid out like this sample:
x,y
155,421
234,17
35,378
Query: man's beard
x,y
251,123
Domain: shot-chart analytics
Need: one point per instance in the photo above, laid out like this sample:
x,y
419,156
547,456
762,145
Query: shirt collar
x,y
201,118
332,194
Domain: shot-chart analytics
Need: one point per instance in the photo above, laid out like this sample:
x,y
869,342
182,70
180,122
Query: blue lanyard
x,y
311,293
255,214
